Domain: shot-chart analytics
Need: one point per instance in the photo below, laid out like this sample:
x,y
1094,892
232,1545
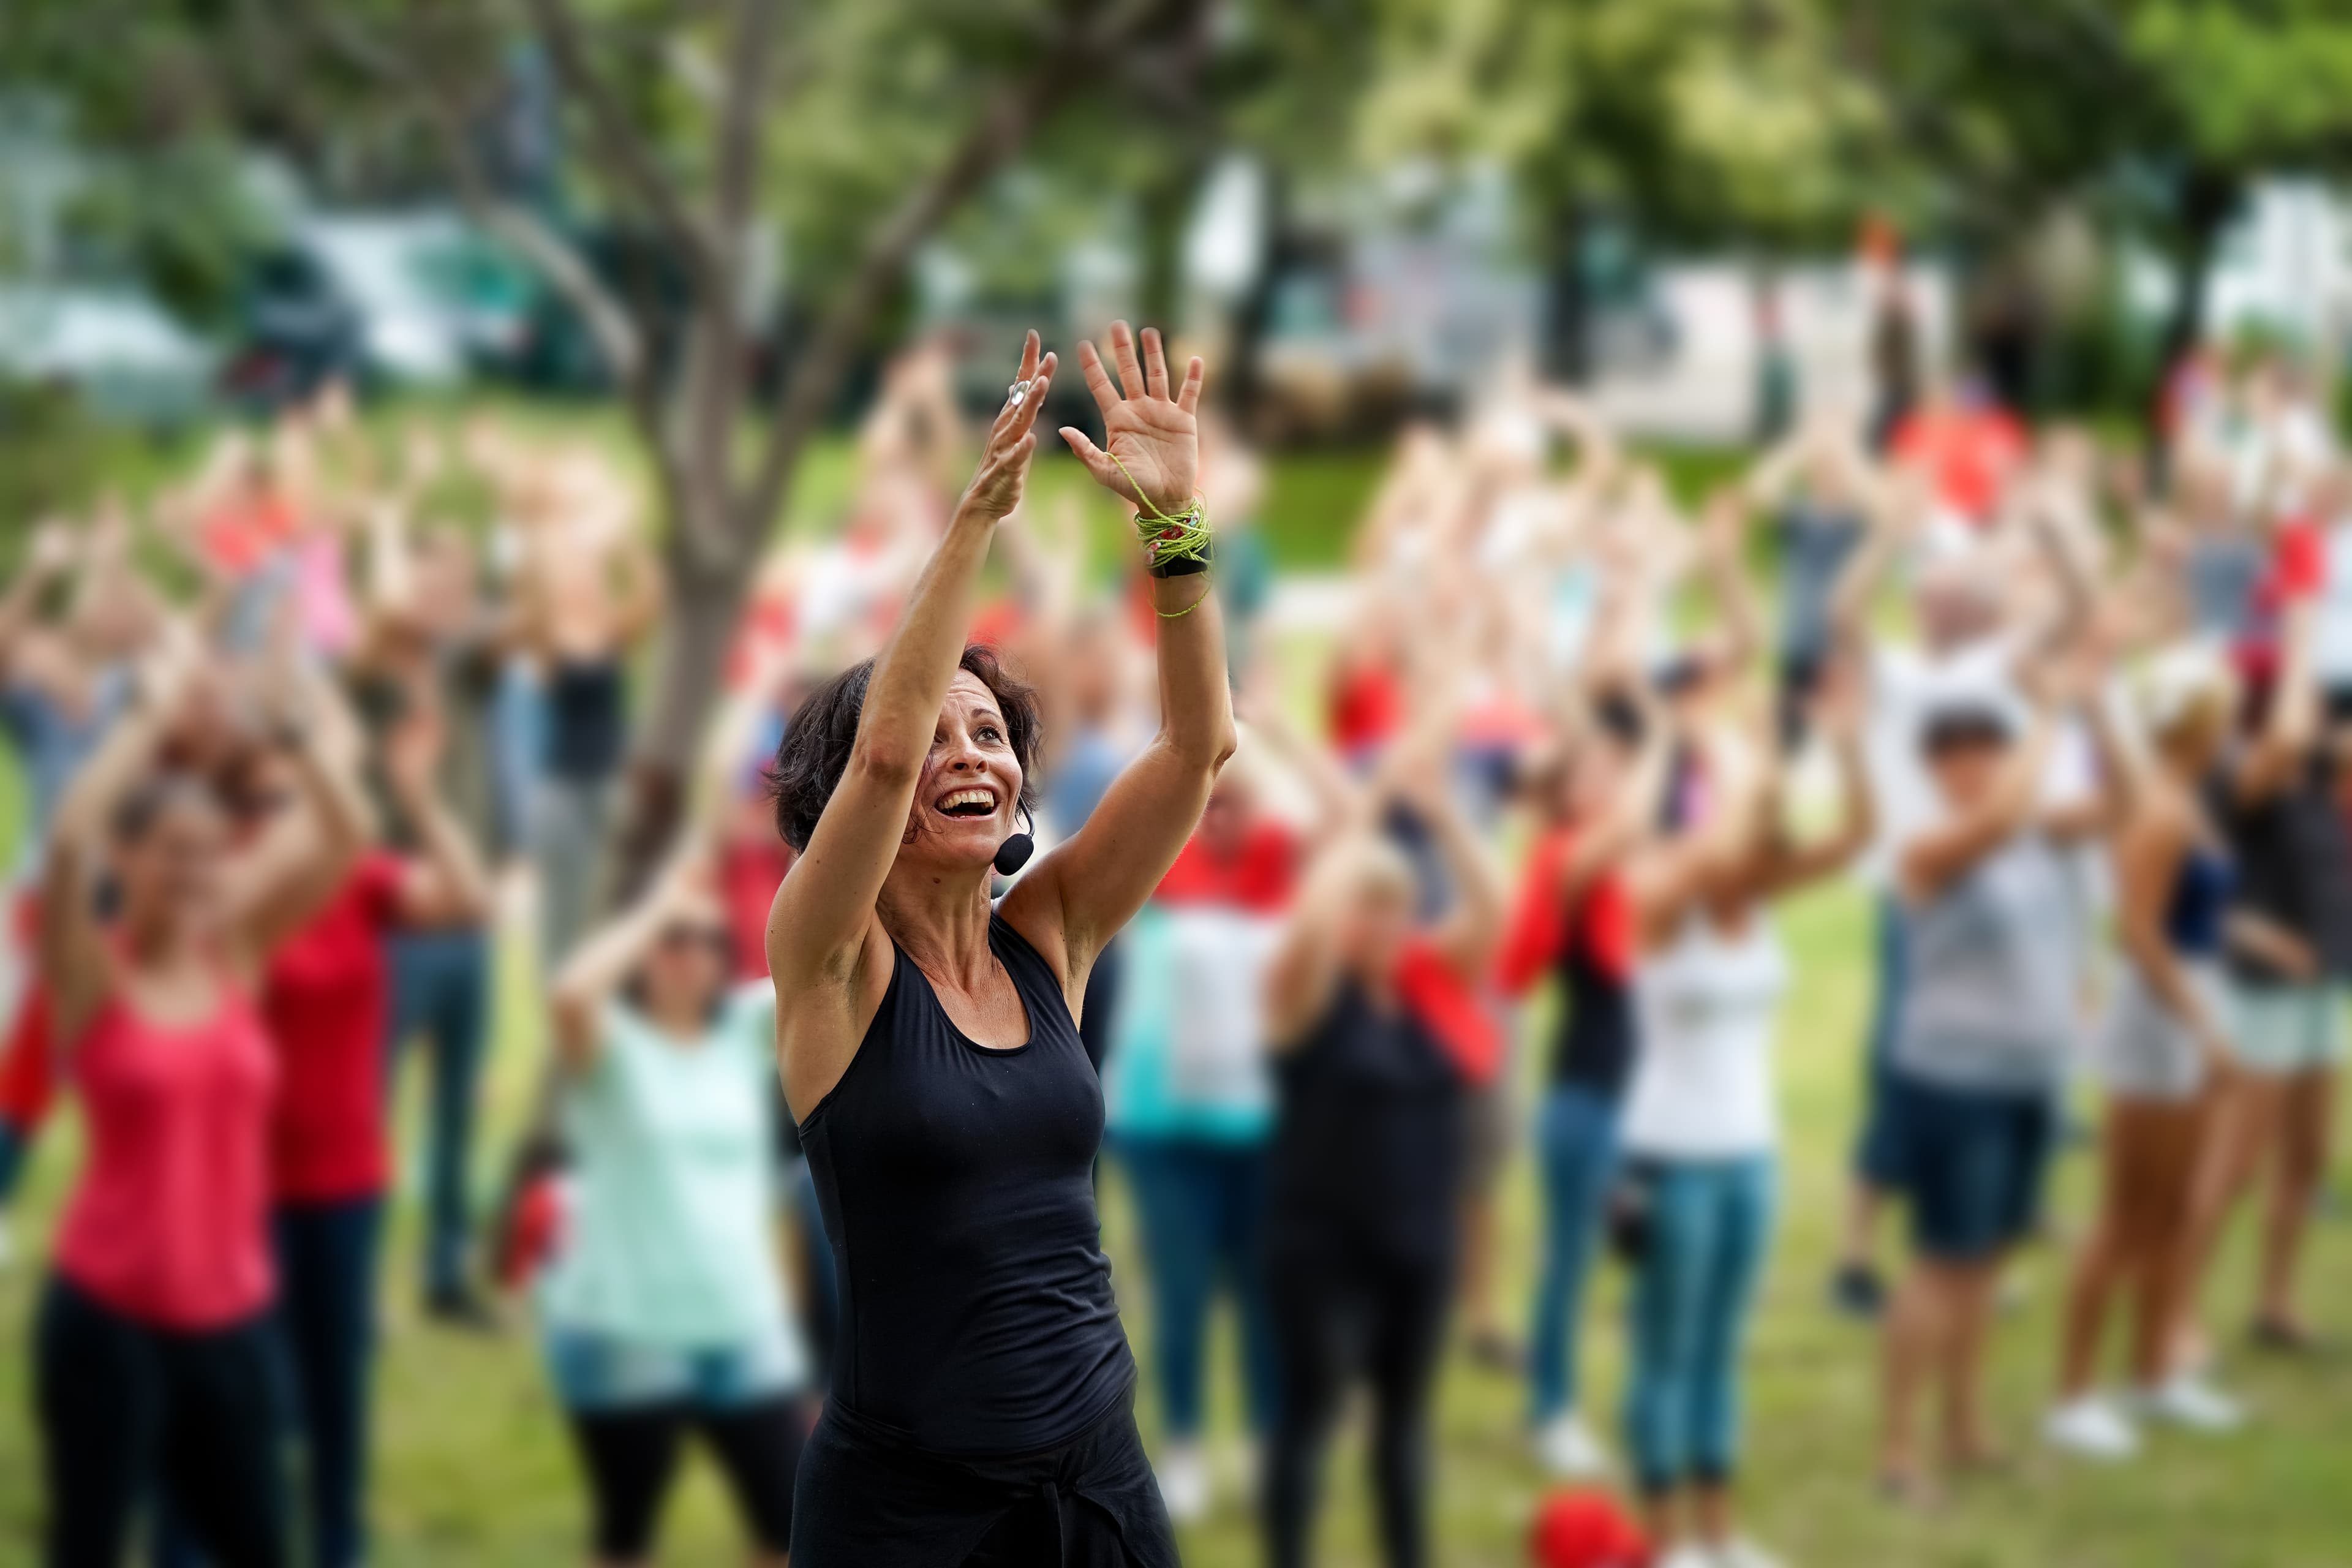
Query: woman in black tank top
x,y
982,1397
1375,1022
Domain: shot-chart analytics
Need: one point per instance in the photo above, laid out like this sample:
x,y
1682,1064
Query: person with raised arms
x,y
981,1408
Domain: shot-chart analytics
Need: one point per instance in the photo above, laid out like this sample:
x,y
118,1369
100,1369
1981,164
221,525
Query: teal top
x,y
1188,1049
667,1237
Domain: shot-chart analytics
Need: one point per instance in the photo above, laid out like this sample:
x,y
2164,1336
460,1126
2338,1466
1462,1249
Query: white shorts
x,y
2281,1029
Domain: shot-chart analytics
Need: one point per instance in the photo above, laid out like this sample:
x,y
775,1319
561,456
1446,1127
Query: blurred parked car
x,y
121,352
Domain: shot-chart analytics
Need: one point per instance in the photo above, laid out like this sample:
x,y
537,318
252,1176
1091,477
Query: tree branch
x,y
625,154
1003,124
548,253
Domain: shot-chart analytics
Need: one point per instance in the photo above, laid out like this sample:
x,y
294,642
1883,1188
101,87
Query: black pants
x,y
631,1458
869,1502
1340,1313
127,1410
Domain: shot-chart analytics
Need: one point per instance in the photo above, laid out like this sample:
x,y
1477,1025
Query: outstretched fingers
x,y
1155,363
1122,348
1014,419
1188,396
1098,382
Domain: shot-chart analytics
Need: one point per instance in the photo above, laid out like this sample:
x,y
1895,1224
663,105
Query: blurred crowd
x,y
304,735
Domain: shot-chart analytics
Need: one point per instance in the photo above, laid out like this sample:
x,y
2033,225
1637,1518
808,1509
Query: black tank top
x,y
1368,1144
957,1185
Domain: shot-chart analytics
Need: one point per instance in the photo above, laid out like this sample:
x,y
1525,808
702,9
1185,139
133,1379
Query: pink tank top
x,y
169,1223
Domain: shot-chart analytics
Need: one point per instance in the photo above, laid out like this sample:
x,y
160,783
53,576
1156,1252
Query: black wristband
x,y
1182,565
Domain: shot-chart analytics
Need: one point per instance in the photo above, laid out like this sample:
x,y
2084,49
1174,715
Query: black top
x,y
587,720
2294,868
1367,1148
957,1186
1593,1046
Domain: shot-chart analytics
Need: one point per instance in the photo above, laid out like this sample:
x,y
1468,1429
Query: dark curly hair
x,y
823,731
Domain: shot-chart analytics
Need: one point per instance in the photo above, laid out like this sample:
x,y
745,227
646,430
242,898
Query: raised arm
x,y
292,873
1468,934
1933,861
2291,726
1092,884
444,884
823,911
597,967
72,945
1789,866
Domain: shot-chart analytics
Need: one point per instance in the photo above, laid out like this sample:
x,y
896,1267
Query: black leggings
x,y
125,1409
1340,1314
631,1457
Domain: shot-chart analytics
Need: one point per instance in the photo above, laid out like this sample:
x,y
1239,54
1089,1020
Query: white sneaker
x,y
2089,1427
2187,1400
1741,1552
1569,1449
1183,1475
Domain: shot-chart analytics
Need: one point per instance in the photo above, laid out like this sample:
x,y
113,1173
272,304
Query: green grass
x,y
472,1467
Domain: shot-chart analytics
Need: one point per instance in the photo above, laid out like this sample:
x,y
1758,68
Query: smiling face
x,y
967,804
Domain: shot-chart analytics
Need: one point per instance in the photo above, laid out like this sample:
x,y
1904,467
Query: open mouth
x,y
966,803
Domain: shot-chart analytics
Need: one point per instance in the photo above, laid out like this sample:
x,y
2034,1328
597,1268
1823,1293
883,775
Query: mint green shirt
x,y
668,1233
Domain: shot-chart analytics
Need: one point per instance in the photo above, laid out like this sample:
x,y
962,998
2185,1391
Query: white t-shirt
x,y
1703,1079
2331,651
1907,684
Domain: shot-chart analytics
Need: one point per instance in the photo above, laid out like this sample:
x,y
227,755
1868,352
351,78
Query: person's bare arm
x,y
823,916
596,969
2292,727
1788,867
71,943
1470,931
444,884
1936,858
48,558
2148,856
1090,885
291,876
1303,972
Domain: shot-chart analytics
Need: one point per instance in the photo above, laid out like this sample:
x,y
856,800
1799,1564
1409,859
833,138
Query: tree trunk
x,y
702,605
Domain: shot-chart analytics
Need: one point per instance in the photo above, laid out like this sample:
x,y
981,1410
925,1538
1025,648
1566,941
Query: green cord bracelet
x,y
1168,537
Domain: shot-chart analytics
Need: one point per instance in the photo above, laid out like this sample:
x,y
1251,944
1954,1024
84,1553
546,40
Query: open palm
x,y
1153,438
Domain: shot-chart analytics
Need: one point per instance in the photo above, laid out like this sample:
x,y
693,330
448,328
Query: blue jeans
x,y
1576,1144
1709,1222
1200,1202
441,992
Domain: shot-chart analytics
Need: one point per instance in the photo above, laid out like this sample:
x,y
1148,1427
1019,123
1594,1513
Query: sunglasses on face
x,y
682,938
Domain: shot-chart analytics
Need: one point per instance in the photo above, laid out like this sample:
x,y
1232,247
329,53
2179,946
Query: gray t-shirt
x,y
1989,999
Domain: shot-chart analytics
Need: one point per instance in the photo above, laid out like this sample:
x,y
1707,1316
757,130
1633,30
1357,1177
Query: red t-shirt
x,y
750,872
324,999
1446,1003
1257,877
168,1224
1366,707
1968,455
1543,927
239,535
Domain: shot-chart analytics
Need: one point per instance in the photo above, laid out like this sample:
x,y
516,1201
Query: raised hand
x,y
1004,470
1153,439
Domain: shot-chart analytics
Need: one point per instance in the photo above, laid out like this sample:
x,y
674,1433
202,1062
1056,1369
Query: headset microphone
x,y
1015,852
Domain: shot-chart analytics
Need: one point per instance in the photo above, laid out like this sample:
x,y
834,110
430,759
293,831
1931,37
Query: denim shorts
x,y
593,1370
1973,1162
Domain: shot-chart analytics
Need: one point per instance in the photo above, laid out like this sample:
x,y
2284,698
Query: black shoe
x,y
461,1308
1856,1290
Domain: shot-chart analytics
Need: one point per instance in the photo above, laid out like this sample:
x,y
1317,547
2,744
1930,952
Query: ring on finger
x,y
1018,390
